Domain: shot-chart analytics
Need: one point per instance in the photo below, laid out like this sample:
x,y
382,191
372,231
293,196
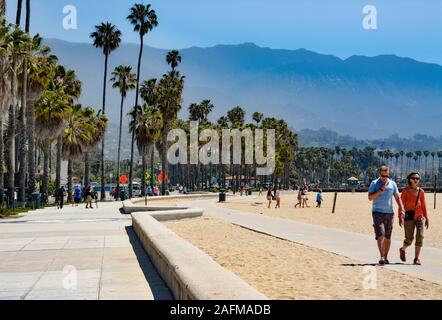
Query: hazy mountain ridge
x,y
366,97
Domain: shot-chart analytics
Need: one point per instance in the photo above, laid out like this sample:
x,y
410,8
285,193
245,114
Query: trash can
x,y
222,196
250,192
36,199
167,193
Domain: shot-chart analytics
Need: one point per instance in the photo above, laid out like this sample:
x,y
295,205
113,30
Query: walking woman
x,y
415,216
269,197
278,198
88,197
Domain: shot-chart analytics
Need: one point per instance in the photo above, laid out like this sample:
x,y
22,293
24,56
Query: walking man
x,y
381,192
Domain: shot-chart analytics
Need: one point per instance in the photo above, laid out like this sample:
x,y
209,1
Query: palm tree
x,y
76,137
173,59
426,155
51,111
143,19
123,79
19,45
149,94
100,123
257,117
66,80
146,123
41,70
108,38
170,90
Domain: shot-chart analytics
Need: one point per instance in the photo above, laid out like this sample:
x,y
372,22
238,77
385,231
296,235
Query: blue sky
x,y
410,28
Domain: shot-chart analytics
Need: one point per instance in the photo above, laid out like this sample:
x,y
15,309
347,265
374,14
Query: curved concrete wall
x,y
189,272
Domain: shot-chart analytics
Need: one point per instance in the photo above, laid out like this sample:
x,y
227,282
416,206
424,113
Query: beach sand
x,y
353,213
285,270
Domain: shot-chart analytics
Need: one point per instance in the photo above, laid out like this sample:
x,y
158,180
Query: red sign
x,y
161,177
124,179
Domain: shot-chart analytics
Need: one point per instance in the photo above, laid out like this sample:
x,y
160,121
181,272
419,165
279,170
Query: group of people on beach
x,y
412,213
89,194
273,194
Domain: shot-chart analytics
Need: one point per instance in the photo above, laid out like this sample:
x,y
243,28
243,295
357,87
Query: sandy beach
x,y
285,270
353,213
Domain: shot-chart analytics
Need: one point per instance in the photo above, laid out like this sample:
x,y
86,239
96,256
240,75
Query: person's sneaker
x,y
386,261
417,262
382,261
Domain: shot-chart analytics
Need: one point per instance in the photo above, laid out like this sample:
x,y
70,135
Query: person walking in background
x,y
304,197
269,196
60,197
88,197
95,193
260,192
319,199
415,217
299,198
381,192
77,196
277,194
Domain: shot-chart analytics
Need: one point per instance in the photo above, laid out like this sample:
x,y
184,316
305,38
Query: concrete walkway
x,y
357,246
75,253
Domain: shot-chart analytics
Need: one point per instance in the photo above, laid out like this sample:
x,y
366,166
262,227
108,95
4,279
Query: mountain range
x,y
365,97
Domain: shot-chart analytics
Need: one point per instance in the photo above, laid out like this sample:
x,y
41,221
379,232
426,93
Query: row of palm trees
x,y
39,96
333,166
407,161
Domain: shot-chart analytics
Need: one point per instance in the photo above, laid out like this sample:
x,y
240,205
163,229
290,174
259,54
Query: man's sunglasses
x,y
385,176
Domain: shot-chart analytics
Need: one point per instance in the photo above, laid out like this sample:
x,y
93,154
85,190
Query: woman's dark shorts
x,y
383,224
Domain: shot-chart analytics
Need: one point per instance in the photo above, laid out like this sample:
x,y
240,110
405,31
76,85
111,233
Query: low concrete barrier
x,y
189,273
163,213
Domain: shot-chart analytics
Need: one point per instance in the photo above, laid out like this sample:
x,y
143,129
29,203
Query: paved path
x,y
353,245
75,254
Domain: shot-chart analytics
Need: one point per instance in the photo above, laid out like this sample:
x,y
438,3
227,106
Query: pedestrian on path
x,y
277,194
319,199
88,197
415,217
269,197
381,193
299,199
77,196
60,197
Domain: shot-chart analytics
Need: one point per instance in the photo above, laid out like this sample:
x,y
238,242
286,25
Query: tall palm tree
x,y
426,155
149,94
146,123
20,43
51,111
124,80
173,59
143,19
100,123
76,136
108,38
170,90
66,80
41,70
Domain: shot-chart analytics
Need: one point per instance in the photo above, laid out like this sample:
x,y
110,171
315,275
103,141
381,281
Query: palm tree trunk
x,y
22,137
11,140
46,155
87,169
70,173
164,156
58,163
119,148
103,181
131,168
152,159
143,176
